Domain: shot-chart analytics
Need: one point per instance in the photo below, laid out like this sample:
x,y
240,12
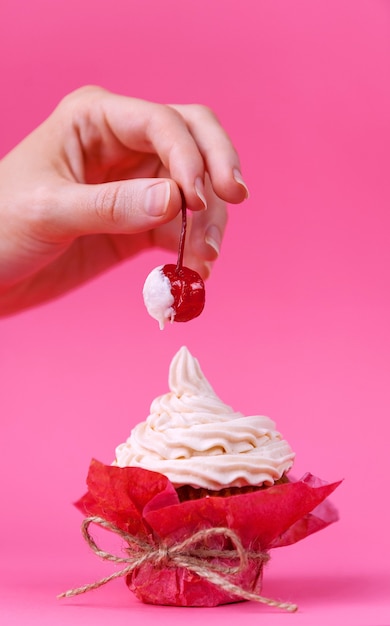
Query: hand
x,y
99,181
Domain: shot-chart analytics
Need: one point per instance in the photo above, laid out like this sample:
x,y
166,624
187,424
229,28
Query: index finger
x,y
153,128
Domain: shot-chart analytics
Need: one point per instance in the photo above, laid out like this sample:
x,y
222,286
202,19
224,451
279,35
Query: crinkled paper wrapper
x,y
145,504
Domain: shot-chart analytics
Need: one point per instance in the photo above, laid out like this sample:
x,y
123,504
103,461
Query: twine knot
x,y
161,555
192,554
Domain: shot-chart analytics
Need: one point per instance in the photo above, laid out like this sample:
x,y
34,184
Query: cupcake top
x,y
195,439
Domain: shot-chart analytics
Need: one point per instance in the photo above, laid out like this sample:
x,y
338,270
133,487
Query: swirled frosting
x,y
195,439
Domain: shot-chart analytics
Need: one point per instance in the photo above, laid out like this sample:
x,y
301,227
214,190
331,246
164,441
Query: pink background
x,y
297,318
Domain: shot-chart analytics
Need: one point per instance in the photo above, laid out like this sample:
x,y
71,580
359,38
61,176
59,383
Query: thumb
x,y
128,206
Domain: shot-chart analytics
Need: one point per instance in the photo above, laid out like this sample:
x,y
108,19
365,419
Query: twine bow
x,y
185,554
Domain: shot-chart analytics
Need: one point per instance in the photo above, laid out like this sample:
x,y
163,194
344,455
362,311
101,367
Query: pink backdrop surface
x,y
297,318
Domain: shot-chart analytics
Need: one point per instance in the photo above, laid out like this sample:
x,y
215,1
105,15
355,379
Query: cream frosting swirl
x,y
193,438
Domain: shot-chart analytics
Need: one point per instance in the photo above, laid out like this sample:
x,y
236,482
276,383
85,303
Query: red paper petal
x,y
320,517
260,518
123,495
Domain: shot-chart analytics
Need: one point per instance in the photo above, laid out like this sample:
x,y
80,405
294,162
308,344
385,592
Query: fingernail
x,y
213,238
239,179
199,189
157,199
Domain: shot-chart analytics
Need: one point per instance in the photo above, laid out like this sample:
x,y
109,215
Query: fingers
x,y
205,231
205,234
220,158
125,207
188,139
141,205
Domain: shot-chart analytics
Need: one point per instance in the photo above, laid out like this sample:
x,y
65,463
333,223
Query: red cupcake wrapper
x,y
142,504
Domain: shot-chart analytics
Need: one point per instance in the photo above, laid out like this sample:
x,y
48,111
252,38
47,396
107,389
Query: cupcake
x,y
202,445
200,494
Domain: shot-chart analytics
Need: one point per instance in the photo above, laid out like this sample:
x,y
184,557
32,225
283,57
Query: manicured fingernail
x,y
213,238
157,199
239,179
199,189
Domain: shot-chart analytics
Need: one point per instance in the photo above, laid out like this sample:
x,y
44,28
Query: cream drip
x,y
158,297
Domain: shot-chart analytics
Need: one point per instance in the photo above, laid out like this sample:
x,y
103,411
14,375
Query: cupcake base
x,y
187,492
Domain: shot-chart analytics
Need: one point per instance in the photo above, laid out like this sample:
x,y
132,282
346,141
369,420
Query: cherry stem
x,y
182,233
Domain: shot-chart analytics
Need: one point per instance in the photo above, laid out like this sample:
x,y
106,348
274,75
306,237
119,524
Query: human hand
x,y
98,181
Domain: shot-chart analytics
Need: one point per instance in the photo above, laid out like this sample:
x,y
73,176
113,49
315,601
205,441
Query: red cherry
x,y
187,288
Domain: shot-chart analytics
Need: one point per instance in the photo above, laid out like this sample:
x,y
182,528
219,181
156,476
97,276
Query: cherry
x,y
187,289
174,292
